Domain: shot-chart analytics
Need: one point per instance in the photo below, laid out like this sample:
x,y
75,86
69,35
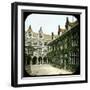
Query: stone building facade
x,y
65,49
36,47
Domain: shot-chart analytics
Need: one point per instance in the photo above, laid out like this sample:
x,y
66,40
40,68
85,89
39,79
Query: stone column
x,y
30,62
47,60
30,66
37,61
42,60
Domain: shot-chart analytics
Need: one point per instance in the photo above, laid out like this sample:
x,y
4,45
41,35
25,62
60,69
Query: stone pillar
x,y
47,60
37,61
42,61
30,62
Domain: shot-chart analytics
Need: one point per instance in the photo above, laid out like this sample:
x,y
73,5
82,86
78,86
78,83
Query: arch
x,y
28,60
34,60
45,60
40,60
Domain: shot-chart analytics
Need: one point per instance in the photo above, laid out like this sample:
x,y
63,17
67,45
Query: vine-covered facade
x,y
64,51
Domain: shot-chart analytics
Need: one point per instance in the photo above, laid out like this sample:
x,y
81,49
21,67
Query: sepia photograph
x,y
52,45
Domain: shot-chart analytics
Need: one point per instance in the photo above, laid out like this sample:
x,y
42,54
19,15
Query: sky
x,y
48,22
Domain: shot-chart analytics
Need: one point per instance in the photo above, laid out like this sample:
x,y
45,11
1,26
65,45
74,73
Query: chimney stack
x,y
59,30
30,27
52,35
67,23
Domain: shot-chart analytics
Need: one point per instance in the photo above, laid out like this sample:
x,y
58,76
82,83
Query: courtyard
x,y
45,69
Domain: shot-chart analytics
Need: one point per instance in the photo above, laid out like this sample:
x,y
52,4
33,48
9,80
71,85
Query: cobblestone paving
x,y
45,69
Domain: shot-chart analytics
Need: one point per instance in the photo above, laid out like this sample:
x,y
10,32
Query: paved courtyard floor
x,y
45,69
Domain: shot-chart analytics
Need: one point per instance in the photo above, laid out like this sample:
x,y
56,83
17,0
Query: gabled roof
x,y
29,29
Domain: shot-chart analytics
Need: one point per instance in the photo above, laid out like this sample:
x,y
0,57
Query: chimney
x,y
59,30
41,33
67,23
52,35
30,27
40,29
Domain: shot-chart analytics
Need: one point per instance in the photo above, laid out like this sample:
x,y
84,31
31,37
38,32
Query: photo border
x,y
14,43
